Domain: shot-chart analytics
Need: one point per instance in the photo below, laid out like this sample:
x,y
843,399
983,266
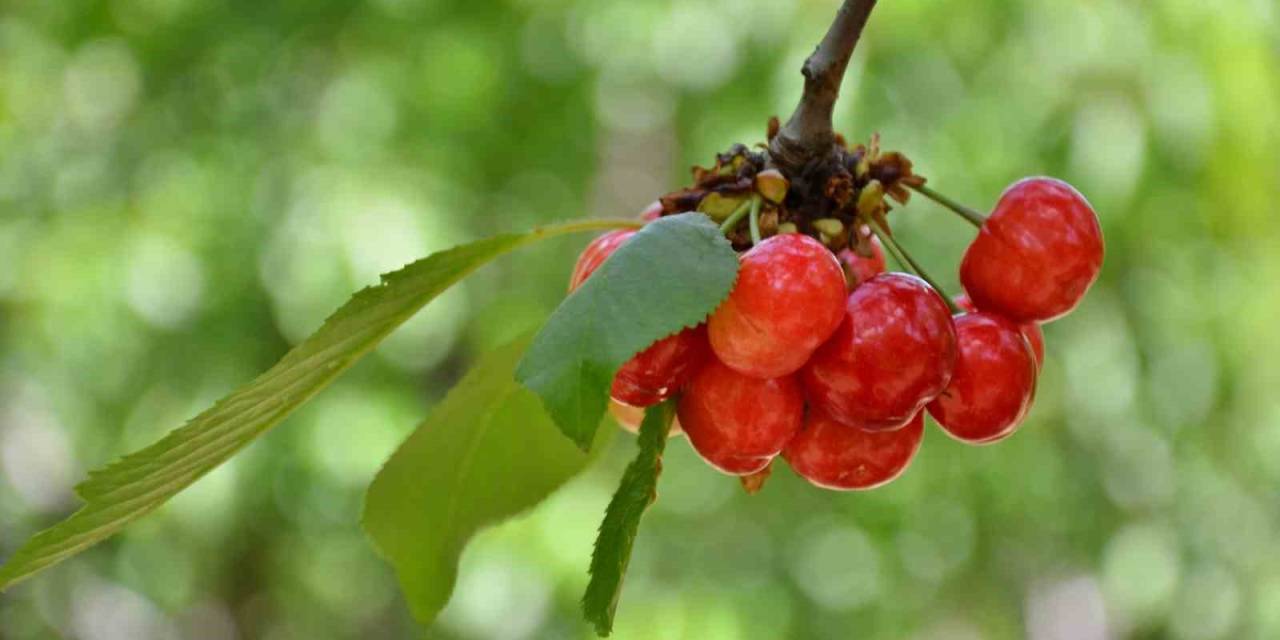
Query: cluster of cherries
x,y
830,361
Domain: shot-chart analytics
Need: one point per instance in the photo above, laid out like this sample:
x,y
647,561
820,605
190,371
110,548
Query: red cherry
x,y
892,353
738,423
993,384
594,255
629,418
836,456
1036,255
663,368
788,299
651,212
858,269
1030,330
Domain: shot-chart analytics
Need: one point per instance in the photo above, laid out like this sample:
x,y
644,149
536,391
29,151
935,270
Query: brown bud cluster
x,y
833,200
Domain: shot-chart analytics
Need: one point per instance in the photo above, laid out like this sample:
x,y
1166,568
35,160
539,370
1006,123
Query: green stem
x,y
904,259
734,218
589,224
755,221
974,218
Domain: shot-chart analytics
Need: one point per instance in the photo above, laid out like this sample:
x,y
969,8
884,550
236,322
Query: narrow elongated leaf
x,y
138,483
671,275
638,489
486,453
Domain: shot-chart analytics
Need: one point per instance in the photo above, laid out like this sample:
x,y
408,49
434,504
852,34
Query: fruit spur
x,y
824,357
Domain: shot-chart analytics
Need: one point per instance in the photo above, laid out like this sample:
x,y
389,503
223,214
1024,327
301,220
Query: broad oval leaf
x,y
138,483
669,276
486,453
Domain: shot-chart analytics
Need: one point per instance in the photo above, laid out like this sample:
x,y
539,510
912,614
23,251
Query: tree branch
x,y
808,134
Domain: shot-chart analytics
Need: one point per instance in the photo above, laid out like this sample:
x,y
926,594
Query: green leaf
x,y
140,482
671,275
486,453
638,489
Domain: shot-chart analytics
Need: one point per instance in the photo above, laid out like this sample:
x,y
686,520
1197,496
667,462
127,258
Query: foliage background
x,y
188,187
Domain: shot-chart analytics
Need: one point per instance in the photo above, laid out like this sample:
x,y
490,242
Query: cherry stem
x,y
734,218
974,218
754,219
904,259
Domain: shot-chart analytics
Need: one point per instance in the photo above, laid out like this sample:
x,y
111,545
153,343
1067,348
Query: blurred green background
x,y
187,187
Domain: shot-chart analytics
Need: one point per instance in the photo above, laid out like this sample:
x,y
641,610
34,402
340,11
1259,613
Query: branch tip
x,y
808,133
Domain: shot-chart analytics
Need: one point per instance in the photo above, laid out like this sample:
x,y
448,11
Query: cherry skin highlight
x,y
1036,255
836,456
665,366
788,299
1030,330
738,423
993,384
652,212
893,353
858,269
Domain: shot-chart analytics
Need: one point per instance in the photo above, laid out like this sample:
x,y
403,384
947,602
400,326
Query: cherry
x,y
594,255
665,366
788,299
1030,330
1036,255
836,456
662,369
651,212
993,384
858,269
629,418
893,352
738,423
